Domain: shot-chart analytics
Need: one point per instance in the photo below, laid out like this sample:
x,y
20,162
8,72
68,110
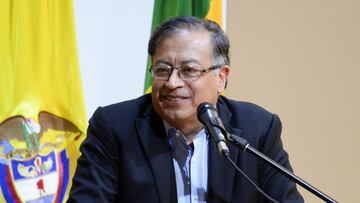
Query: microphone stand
x,y
245,146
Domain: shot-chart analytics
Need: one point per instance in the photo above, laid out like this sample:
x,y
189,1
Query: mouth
x,y
173,100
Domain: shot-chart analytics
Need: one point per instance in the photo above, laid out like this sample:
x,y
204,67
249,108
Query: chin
x,y
176,116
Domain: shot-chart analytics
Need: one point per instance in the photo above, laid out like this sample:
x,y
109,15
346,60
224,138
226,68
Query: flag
x,y
42,113
165,9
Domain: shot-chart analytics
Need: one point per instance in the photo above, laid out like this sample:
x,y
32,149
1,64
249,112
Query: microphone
x,y
208,116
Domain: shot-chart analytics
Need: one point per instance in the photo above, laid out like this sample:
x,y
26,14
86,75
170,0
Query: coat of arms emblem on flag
x,y
34,160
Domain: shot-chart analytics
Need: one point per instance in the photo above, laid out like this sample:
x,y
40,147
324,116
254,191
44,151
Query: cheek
x,y
156,86
155,93
205,92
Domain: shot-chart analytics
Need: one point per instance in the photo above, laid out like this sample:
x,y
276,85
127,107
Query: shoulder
x,y
252,119
242,109
133,106
125,111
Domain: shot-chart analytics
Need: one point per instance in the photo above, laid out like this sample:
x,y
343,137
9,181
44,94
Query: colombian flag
x,y
42,114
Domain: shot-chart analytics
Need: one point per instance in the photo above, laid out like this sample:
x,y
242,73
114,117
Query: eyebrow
x,y
161,61
191,61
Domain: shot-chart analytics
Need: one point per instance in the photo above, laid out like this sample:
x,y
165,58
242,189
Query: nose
x,y
174,80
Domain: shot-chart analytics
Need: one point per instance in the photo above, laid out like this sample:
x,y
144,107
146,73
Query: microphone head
x,y
206,112
208,116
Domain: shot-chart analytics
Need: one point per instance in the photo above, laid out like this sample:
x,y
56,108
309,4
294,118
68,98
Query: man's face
x,y
176,100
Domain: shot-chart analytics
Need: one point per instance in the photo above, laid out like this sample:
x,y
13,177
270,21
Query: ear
x,y
223,77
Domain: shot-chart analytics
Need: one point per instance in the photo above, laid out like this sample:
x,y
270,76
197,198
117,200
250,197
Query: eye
x,y
161,70
189,70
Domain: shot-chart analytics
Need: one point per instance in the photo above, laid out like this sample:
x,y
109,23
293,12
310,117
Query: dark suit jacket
x,y
126,157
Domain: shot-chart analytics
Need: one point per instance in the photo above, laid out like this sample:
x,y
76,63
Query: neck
x,y
190,132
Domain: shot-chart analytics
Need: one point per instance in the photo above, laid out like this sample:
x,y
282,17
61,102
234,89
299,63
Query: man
x,y
154,149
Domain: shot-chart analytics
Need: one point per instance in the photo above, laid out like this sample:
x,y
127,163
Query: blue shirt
x,y
190,165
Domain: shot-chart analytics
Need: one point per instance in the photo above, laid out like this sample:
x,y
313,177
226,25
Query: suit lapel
x,y
154,141
221,174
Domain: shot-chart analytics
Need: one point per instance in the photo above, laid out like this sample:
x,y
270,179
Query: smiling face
x,y
175,100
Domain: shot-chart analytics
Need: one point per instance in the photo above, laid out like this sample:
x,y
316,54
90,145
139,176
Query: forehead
x,y
188,33
179,31
185,44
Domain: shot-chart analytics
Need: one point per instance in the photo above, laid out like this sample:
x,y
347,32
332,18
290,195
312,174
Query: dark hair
x,y
219,40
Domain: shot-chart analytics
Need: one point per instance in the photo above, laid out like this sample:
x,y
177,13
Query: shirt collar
x,y
202,131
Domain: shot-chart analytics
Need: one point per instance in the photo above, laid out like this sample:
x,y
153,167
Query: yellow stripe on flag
x,y
215,12
42,114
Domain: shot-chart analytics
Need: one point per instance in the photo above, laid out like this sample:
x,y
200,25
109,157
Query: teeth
x,y
174,98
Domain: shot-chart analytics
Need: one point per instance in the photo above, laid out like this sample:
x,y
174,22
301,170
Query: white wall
x,y
112,38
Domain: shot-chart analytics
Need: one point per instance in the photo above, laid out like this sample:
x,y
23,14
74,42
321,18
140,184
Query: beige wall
x,y
301,60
